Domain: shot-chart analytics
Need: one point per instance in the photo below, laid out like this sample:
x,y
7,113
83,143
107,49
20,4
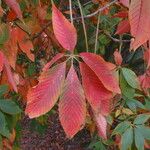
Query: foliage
x,y
91,58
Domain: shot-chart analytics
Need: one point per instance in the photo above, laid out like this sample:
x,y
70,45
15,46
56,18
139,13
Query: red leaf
x,y
11,16
101,125
123,27
1,61
14,6
54,59
72,106
94,90
64,31
117,57
42,98
125,2
101,69
122,14
139,12
145,80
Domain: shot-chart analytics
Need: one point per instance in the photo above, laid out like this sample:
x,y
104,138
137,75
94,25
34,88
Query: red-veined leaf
x,y
42,98
72,106
94,90
101,125
64,31
123,27
139,12
101,69
117,57
54,59
106,106
14,6
1,61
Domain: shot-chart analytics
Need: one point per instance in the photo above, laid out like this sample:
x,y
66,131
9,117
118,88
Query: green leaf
x,y
147,105
139,139
126,89
3,128
1,144
138,104
97,146
133,104
31,70
3,89
9,107
121,128
127,139
2,121
4,34
145,131
141,119
131,78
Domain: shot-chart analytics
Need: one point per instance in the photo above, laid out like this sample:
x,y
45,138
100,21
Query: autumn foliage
x,y
84,84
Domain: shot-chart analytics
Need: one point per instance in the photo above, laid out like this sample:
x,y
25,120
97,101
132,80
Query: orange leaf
x,y
147,57
24,43
11,48
6,67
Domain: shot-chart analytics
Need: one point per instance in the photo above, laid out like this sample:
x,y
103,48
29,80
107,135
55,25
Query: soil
x,y
53,138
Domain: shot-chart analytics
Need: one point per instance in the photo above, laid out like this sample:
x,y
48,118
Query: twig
x,y
87,3
83,23
97,11
70,9
97,31
22,28
121,43
39,33
116,40
82,17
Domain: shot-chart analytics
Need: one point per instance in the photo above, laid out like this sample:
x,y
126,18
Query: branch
x,y
22,28
39,33
116,40
87,16
97,11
